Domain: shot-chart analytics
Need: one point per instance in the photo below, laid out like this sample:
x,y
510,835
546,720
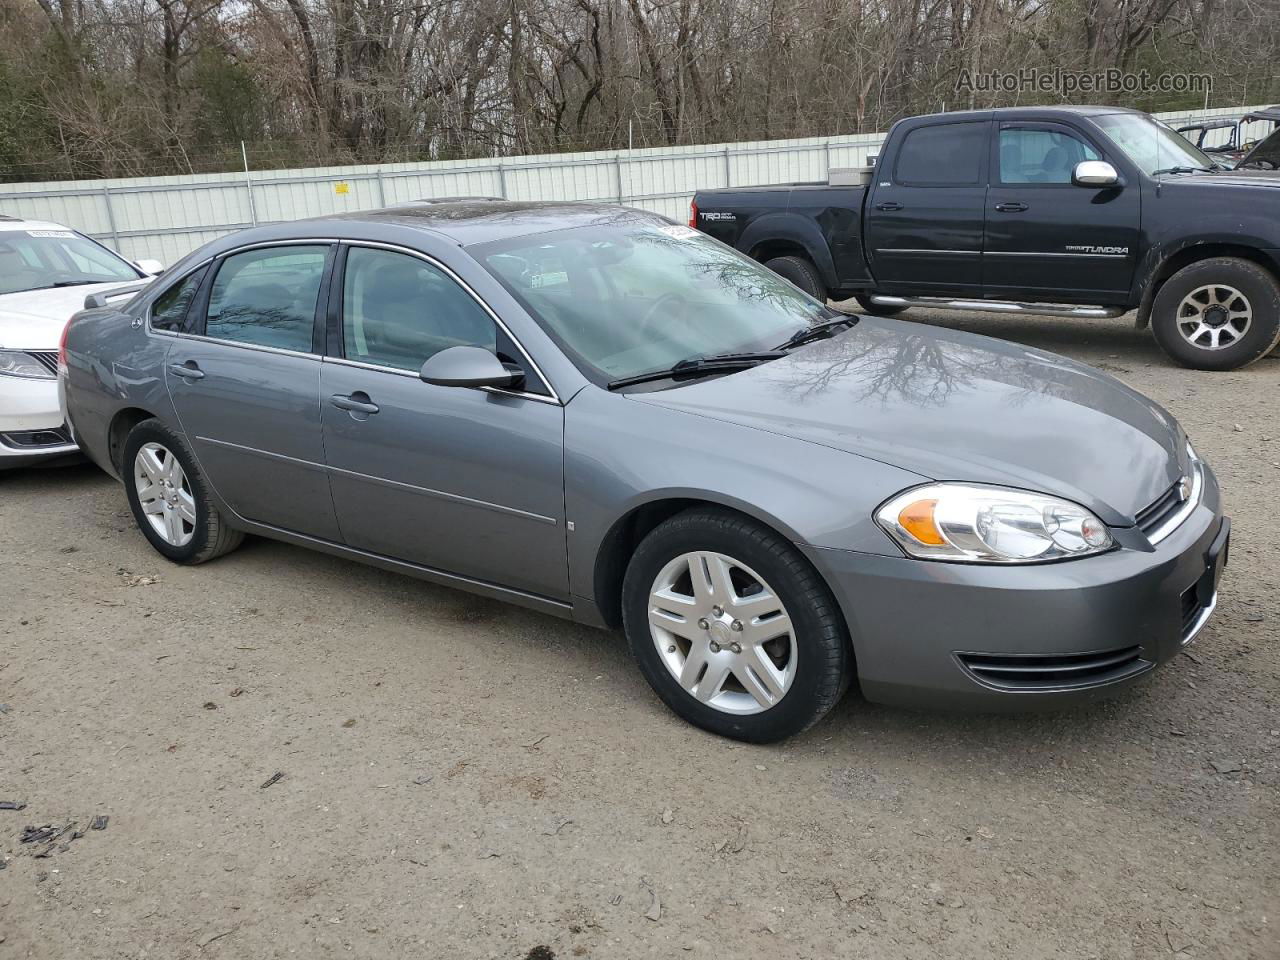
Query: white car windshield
x,y
40,259
1151,145
627,298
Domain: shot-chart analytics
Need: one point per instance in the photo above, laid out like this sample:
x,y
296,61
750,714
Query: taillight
x,y
693,214
62,348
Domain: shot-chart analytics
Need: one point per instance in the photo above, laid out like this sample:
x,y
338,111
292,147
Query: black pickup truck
x,y
1062,211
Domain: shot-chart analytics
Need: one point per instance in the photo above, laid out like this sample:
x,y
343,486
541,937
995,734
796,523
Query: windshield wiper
x,y
819,331
698,366
1157,173
76,283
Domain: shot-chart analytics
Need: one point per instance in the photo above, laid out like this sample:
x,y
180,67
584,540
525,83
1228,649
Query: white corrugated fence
x,y
166,217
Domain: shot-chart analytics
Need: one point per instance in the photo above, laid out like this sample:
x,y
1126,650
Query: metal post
x,y
827,152
617,171
502,181
727,177
382,190
111,219
248,185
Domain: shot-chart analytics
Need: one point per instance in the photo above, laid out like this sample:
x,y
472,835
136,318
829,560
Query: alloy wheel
x,y
164,493
722,632
1214,317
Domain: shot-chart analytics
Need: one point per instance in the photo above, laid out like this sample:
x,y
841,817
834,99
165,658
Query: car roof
x,y
1057,111
471,221
17,223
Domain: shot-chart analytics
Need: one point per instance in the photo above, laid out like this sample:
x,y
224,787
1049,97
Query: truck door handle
x,y
889,205
1012,206
357,402
187,371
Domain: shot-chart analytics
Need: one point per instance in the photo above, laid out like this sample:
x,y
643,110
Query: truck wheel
x,y
876,309
1219,314
800,272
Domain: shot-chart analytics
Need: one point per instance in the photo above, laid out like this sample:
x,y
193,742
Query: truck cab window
x,y
942,155
1041,156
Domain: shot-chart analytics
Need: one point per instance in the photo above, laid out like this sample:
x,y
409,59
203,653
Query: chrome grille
x,y
1054,671
1151,517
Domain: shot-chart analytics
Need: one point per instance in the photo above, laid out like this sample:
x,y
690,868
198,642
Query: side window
x,y
1041,156
397,311
945,155
170,309
267,297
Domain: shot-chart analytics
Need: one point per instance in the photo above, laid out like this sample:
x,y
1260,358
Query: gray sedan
x,y
606,416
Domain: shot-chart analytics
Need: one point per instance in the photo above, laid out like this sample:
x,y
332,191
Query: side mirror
x,y
1094,173
469,367
152,268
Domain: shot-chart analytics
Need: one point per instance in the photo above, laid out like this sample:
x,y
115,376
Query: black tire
x,y
876,309
824,654
1257,285
212,536
800,272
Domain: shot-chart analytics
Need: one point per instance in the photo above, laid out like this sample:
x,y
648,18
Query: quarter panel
x,y
621,454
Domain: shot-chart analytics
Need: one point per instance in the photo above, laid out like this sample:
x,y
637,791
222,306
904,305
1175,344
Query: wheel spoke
x,y
173,525
761,678
758,631
186,507
151,465
693,664
713,680
680,626
721,585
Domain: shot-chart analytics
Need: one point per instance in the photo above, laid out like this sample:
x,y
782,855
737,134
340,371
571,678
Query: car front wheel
x,y
733,628
169,498
1218,314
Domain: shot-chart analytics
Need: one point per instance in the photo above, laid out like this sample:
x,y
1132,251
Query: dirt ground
x,y
467,779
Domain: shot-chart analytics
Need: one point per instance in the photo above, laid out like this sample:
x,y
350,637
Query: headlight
x,y
15,363
974,523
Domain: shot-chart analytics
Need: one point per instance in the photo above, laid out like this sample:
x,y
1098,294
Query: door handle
x,y
188,371
889,205
356,403
1012,206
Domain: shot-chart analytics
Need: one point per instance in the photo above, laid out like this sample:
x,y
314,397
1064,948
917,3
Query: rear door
x,y
924,218
1046,237
469,482
246,386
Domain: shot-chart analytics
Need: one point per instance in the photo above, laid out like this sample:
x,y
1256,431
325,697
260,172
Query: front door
x,y
924,218
246,387
1048,238
464,481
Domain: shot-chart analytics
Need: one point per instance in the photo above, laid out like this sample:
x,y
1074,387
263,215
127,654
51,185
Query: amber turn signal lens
x,y
917,519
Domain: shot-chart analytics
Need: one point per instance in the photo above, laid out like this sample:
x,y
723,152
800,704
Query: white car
x,y
46,270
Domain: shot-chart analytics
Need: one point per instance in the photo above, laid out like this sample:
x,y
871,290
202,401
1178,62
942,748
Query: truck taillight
x,y
62,349
693,214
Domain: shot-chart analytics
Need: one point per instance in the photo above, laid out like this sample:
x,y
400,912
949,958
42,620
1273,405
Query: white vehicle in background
x,y
46,271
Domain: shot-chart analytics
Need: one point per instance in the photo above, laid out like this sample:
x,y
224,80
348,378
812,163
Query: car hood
x,y
33,319
1226,179
950,405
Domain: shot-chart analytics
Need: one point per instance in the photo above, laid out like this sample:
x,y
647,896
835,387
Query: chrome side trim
x,y
1188,507
1205,613
305,355
1000,306
948,253
442,495
1035,253
310,464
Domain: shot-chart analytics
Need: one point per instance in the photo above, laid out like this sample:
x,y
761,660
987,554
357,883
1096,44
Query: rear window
x,y
945,155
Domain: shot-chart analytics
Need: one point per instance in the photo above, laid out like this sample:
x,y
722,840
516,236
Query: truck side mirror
x,y
1094,173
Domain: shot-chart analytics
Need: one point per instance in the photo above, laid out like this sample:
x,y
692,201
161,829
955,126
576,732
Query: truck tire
x,y
876,309
800,272
1219,314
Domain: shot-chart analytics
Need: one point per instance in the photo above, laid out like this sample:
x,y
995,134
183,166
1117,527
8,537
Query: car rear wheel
x,y
169,498
877,309
1218,314
733,628
800,272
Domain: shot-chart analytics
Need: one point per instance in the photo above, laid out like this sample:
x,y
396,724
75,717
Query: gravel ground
x,y
466,779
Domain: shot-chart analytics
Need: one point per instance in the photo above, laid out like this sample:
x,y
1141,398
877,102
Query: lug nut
x,y
736,625
671,648
704,624
715,647
735,647
718,611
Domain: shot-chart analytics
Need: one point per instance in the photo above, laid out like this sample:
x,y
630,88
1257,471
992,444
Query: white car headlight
x,y
16,363
975,523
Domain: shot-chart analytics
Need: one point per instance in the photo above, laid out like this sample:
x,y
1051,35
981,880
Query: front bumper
x,y
31,423
1024,637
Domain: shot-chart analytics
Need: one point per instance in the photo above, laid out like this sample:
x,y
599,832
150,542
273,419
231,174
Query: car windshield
x,y
40,259
628,298
1150,144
